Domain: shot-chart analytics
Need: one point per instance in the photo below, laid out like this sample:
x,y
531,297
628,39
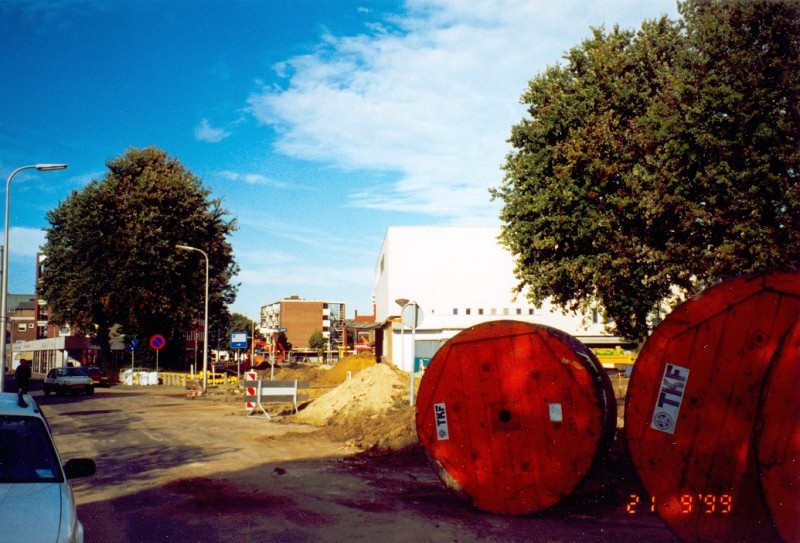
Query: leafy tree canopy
x,y
317,341
111,257
662,159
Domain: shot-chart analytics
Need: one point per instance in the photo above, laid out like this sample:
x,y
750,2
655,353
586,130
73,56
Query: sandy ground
x,y
346,468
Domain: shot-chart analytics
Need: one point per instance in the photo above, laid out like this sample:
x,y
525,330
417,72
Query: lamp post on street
x,y
205,316
4,287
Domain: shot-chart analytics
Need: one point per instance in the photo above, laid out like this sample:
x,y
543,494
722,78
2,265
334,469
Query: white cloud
x,y
25,242
205,132
82,180
431,95
252,179
426,98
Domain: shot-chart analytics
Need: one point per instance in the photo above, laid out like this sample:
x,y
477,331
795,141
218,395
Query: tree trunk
x,y
103,340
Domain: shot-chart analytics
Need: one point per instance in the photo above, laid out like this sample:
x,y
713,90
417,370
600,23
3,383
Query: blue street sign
x,y
238,340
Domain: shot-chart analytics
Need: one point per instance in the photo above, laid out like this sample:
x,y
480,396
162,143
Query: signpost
x,y
238,340
412,314
157,342
133,344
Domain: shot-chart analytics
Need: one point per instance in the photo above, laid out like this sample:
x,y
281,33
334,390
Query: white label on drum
x,y
555,412
670,396
440,417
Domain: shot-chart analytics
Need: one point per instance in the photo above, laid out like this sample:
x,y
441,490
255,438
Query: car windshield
x,y
72,372
26,451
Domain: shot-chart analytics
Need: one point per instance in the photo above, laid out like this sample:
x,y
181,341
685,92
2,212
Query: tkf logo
x,y
670,396
440,417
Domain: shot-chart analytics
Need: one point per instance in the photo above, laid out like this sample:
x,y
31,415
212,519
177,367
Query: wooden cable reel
x,y
514,415
778,437
692,406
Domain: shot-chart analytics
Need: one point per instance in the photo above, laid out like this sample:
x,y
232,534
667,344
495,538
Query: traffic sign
x,y
412,315
133,344
157,342
238,340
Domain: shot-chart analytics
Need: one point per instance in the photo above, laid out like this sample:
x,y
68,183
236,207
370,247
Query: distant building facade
x,y
22,317
459,277
301,318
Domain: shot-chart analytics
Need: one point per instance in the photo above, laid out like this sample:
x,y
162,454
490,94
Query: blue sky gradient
x,y
318,122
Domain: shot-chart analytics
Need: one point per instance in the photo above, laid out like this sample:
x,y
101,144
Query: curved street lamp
x,y
4,287
205,316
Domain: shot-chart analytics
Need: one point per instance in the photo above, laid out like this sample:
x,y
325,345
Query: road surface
x,y
176,469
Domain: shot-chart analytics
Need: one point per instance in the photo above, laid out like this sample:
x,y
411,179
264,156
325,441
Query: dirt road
x,y
176,469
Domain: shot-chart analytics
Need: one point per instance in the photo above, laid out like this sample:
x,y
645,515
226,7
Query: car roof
x,y
10,405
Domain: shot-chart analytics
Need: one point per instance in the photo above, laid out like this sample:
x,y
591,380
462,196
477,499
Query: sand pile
x,y
325,376
368,394
370,409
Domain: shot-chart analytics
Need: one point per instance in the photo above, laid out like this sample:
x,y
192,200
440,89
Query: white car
x,y
70,379
36,502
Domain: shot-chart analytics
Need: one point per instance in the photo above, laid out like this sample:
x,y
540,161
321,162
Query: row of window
x,y
494,311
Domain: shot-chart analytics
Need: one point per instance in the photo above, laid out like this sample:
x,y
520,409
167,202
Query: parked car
x,y
99,379
62,380
37,502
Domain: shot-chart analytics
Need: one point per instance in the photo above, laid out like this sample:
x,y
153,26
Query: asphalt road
x,y
175,469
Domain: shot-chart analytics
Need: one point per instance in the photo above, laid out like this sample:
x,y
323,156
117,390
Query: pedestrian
x,y
22,376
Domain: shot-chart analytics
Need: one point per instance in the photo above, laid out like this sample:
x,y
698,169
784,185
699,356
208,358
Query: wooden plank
x,y
283,383
274,384
278,398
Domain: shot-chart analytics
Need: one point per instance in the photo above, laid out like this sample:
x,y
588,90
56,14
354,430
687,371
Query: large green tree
x,y
656,160
111,258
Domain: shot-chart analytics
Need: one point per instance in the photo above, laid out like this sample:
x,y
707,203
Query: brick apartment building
x,y
301,318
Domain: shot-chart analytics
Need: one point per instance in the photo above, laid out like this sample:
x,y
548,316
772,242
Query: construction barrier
x,y
178,379
258,391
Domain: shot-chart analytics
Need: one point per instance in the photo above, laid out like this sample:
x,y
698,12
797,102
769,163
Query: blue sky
x,y
319,123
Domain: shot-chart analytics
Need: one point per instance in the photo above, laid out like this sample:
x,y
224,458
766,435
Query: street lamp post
x,y
4,287
205,317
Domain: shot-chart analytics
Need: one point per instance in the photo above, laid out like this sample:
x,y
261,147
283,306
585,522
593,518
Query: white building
x,y
459,277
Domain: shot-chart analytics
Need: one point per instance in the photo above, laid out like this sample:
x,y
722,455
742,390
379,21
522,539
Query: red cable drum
x,y
513,415
692,401
778,437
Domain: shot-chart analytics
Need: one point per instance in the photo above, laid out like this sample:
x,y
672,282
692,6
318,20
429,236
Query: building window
x,y
519,311
595,316
530,311
469,311
455,311
480,311
505,311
